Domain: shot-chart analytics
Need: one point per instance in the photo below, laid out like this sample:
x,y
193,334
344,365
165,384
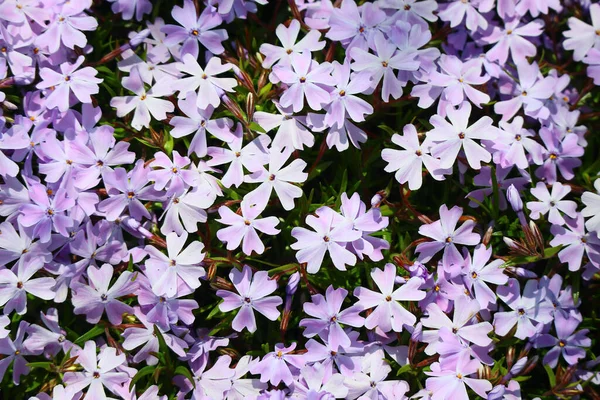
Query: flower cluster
x,y
175,221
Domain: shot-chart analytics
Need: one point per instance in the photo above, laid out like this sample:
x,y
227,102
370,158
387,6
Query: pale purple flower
x,y
593,60
4,322
479,272
279,178
185,211
13,352
179,266
458,80
552,203
408,163
292,130
568,343
484,181
20,246
537,7
146,337
82,83
305,78
253,291
449,382
332,232
252,157
275,366
99,371
46,214
450,137
355,211
95,159
456,11
145,103
514,144
94,298
15,283
389,314
415,12
129,8
529,94
314,381
560,155
592,208
526,309
244,388
344,101
512,39
125,190
345,359
382,65
65,28
198,122
51,339
171,173
288,37
206,80
328,317
370,382
209,383
11,140
195,31
576,241
446,236
242,228
461,324
355,26
12,54
582,37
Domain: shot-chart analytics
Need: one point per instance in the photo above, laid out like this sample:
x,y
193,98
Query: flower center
x,y
61,339
103,297
524,93
521,311
407,7
461,135
204,76
100,163
561,343
272,177
459,375
518,138
437,288
388,298
130,195
247,300
195,32
419,153
238,154
246,222
326,239
143,97
509,32
474,275
302,80
384,64
342,93
289,51
172,263
553,156
361,29
448,239
50,212
279,354
176,200
96,374
19,285
175,170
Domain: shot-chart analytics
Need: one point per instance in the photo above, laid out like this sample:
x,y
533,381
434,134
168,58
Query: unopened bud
x,y
512,194
138,38
518,367
292,284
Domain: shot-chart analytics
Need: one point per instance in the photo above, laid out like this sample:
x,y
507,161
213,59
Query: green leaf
x,y
256,127
92,333
181,370
147,370
551,376
47,365
169,142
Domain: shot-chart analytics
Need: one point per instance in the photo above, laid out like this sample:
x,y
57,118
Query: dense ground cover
x,y
266,199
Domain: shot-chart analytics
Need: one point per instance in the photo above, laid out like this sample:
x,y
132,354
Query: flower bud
x,y
519,365
138,38
292,284
512,194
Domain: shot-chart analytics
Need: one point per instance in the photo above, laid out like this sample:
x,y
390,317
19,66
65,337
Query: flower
x,y
172,173
552,203
568,343
99,371
450,137
526,309
15,283
210,87
332,232
278,178
209,383
144,102
408,163
356,26
305,79
448,382
328,317
582,37
252,295
180,266
243,228
82,83
287,37
512,39
446,237
577,243
458,80
456,11
94,298
592,208
194,31
65,28
389,314
478,273
275,366
382,65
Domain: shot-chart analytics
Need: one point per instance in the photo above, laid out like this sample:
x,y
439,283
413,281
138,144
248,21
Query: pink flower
x,y
243,228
